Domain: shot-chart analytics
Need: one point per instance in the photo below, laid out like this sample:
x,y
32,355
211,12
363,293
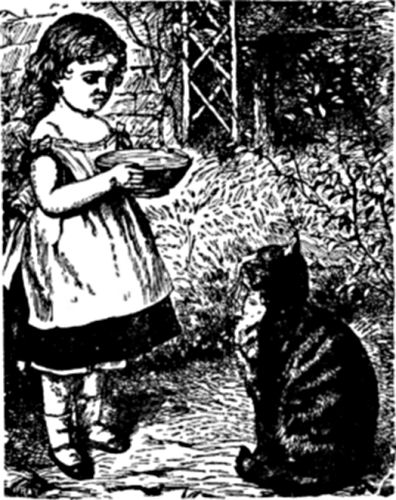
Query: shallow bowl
x,y
162,169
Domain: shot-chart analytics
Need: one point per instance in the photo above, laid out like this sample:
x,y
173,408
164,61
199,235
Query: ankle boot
x,y
57,398
99,434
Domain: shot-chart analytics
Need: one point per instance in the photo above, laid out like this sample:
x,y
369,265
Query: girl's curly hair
x,y
74,37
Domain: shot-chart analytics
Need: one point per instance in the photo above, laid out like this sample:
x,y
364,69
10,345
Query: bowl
x,y
162,169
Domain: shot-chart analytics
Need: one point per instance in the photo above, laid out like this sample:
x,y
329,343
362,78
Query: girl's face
x,y
87,87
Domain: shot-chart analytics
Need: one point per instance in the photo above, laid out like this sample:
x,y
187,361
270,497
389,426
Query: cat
x,y
313,388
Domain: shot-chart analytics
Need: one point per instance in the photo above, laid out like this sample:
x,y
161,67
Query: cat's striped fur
x,y
313,387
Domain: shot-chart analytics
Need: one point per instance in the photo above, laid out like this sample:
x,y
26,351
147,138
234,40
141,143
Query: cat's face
x,y
261,270
278,272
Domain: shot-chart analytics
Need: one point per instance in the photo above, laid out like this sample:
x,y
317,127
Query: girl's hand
x,y
55,200
127,176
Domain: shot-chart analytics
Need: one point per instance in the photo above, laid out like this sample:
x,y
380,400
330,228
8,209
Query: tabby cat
x,y
313,387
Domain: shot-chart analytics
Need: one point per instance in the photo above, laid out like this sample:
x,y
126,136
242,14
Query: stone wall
x,y
139,103
18,37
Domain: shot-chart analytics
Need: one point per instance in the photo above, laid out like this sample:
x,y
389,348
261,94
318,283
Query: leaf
x,y
337,100
322,111
309,111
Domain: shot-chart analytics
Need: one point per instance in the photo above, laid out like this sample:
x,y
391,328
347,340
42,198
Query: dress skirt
x,y
84,347
104,341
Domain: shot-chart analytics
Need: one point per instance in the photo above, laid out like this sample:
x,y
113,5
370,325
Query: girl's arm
x,y
57,200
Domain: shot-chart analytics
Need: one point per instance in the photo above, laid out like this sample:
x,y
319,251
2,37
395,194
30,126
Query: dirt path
x,y
187,446
190,425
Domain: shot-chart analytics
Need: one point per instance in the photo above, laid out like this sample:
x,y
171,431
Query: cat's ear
x,y
294,247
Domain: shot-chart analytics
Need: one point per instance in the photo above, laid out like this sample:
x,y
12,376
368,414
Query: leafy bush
x,y
341,196
338,195
320,65
219,213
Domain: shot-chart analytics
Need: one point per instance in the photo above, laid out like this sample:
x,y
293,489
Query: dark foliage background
x,y
323,66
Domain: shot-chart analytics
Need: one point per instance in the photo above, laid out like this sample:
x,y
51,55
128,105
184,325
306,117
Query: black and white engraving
x,y
197,248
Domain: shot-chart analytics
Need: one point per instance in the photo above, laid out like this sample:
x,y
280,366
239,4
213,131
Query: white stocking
x,y
91,401
58,406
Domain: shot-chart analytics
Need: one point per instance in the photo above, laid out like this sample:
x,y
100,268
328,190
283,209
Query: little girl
x,y
88,258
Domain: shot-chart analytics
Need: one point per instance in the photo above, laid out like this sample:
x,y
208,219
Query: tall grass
x,y
222,211
218,214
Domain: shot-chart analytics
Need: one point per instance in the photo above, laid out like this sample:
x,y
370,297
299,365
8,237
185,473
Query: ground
x,y
187,425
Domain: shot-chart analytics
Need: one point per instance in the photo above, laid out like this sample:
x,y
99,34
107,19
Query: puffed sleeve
x,y
24,199
41,147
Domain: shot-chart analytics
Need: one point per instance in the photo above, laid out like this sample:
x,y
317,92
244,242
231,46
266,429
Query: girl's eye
x,y
91,79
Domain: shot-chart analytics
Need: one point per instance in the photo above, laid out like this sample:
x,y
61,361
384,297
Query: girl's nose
x,y
102,84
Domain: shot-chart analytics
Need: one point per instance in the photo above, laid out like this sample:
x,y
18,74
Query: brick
x,y
113,119
21,31
136,125
14,58
139,57
132,83
141,126
143,131
123,105
146,142
149,103
137,81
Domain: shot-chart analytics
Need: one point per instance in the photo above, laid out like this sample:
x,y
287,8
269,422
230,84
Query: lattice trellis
x,y
209,65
